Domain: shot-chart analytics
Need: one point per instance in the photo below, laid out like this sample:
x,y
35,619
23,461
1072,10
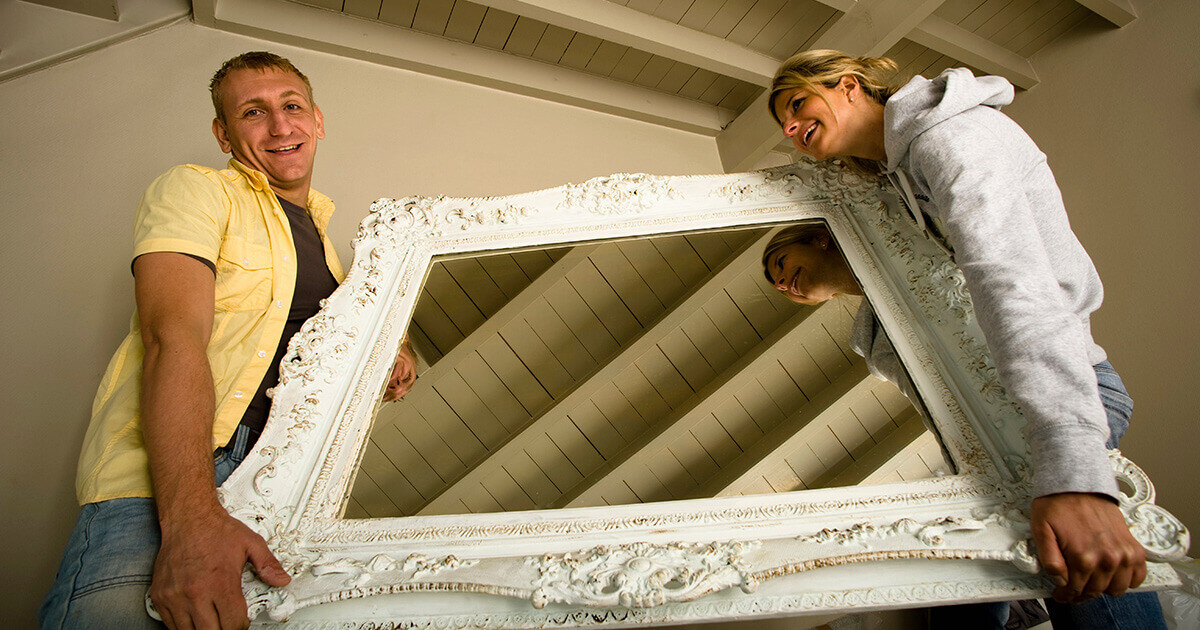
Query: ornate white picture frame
x,y
949,539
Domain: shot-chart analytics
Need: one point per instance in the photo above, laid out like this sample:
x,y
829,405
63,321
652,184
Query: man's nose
x,y
279,123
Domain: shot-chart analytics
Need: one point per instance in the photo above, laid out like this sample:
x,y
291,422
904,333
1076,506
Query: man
x,y
227,266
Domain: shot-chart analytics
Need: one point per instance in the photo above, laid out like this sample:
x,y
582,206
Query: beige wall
x,y
1118,114
80,141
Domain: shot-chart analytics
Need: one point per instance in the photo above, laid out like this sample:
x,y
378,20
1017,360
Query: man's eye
x,y
292,106
251,112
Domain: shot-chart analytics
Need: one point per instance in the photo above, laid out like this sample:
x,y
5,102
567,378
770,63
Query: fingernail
x,y
1059,581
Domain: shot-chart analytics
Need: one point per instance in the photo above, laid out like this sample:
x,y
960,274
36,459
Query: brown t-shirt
x,y
314,283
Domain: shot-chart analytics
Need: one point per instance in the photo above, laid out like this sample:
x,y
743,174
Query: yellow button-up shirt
x,y
232,219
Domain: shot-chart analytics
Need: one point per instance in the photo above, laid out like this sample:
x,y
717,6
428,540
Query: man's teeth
x,y
287,148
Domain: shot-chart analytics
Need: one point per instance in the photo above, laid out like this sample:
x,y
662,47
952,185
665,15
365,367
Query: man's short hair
x,y
256,60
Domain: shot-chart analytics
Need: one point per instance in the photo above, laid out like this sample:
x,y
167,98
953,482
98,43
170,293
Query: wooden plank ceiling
x,y
698,65
627,372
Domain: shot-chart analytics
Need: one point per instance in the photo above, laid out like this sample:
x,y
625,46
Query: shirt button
x,y
262,353
237,394
285,257
278,304
245,261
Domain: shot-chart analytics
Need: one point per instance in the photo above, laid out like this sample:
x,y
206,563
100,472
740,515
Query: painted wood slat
x,y
645,400
781,389
801,465
645,6
759,405
871,415
850,432
676,77
435,324
495,29
371,501
648,488
605,58
571,441
405,458
1030,17
362,8
779,25
1004,18
693,456
880,460
664,377
488,387
517,377
649,263
465,21
683,260
740,97
524,38
596,428
582,321
532,479
709,341
700,14
505,273
671,474
731,322
737,422
630,65
478,502
1034,37
398,12
620,274
604,302
507,492
653,72
390,481
672,10
982,14
579,52
559,339
807,425
757,486
620,495
553,43
727,17
619,412
426,351
452,429
475,413
452,299
354,510
955,10
686,357
753,22
535,262
554,463
763,312
814,22
697,83
483,292
538,359
432,15
719,89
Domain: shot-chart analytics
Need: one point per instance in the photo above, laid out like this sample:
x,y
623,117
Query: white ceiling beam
x,y
622,25
319,29
793,432
1119,12
104,9
448,500
632,460
954,41
35,36
869,27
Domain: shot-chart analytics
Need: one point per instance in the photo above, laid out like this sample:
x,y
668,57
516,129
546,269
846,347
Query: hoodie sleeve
x,y
978,173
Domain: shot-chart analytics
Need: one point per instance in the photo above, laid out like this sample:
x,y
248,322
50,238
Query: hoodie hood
x,y
923,103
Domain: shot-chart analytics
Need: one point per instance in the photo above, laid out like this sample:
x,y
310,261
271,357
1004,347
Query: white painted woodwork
x,y
628,27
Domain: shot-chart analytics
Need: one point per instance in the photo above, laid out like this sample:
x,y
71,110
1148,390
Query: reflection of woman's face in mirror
x,y
803,262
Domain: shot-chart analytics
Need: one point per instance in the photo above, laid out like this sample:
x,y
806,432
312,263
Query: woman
x,y
979,186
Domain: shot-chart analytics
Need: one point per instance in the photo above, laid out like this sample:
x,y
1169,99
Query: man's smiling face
x,y
272,126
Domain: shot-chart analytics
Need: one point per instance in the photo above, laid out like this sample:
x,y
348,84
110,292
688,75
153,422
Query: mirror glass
x,y
631,371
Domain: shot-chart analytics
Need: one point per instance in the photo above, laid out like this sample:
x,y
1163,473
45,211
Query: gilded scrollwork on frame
x,y
958,537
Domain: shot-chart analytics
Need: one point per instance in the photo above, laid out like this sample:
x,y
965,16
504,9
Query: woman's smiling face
x,y
806,273
813,120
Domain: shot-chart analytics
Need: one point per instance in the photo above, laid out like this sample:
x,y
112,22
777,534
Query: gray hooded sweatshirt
x,y
980,185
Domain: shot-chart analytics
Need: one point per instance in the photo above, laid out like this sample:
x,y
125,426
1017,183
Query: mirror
x,y
737,554
631,371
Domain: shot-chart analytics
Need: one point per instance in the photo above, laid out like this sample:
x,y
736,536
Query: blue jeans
x,y
109,560
1132,611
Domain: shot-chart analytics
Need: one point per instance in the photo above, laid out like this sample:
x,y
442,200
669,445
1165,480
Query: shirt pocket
x,y
243,281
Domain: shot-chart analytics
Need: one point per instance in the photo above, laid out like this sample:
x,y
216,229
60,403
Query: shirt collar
x,y
319,206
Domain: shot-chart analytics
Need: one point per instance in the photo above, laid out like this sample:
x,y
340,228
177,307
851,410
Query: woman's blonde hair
x,y
876,76
801,234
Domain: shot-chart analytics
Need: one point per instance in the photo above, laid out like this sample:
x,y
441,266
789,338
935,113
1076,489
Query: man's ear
x,y
320,123
222,137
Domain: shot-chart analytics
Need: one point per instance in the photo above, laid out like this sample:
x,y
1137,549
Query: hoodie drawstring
x,y
900,180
